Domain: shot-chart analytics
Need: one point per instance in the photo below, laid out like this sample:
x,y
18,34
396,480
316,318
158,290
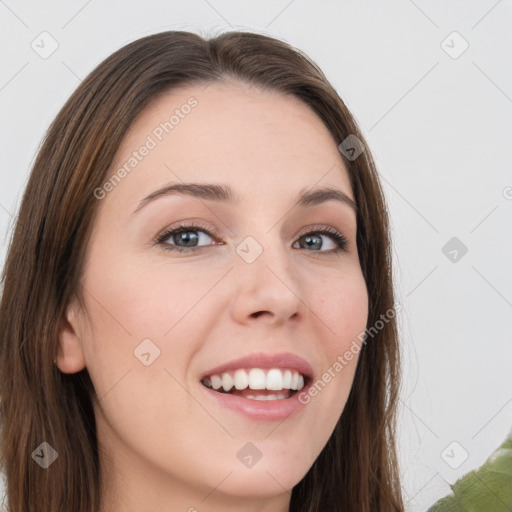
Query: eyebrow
x,y
223,193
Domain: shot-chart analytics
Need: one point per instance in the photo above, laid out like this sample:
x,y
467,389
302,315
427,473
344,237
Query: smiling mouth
x,y
257,383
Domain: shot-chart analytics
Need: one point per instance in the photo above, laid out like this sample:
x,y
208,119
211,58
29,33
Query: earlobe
x,y
70,357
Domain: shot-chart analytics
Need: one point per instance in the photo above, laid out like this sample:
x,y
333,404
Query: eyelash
x,y
340,240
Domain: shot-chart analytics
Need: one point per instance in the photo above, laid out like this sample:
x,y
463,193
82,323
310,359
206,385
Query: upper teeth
x,y
256,378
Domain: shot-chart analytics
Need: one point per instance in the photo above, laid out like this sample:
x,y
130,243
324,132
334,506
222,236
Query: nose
x,y
267,290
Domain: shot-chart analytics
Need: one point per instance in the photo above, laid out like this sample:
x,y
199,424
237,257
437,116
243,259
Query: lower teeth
x,y
267,397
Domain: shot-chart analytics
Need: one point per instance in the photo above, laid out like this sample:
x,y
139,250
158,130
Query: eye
x,y
189,235
186,238
313,239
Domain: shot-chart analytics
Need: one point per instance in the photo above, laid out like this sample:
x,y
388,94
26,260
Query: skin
x,y
164,445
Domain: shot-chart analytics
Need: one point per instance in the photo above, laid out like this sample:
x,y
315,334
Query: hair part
x,y
357,469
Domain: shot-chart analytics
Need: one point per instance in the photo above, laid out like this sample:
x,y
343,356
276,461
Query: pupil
x,y
185,236
310,241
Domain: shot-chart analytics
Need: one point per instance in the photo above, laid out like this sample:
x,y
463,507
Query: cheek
x,y
341,304
141,300
135,311
130,301
341,307
346,310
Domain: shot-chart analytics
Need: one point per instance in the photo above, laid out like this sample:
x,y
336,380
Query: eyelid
x,y
317,227
338,235
187,225
342,242
212,230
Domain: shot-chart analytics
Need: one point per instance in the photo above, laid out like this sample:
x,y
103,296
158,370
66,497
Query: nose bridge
x,y
262,231
265,277
265,248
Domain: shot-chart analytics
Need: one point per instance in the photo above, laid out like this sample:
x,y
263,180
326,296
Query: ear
x,y
70,358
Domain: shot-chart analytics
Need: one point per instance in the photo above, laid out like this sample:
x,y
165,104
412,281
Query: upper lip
x,y
285,360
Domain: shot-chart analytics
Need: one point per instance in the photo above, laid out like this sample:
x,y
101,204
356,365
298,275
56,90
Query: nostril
x,y
258,314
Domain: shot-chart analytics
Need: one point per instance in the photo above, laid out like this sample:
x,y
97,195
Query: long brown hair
x,y
358,468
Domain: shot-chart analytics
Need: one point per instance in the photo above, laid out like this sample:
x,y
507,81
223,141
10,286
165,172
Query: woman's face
x,y
260,280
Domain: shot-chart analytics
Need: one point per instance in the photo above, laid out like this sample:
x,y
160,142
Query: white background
x,y
440,130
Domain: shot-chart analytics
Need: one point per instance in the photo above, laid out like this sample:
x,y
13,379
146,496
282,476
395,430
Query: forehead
x,y
259,142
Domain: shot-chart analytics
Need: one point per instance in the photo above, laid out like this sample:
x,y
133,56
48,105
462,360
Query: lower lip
x,y
261,410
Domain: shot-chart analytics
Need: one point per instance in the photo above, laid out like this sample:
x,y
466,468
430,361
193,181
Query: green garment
x,y
486,489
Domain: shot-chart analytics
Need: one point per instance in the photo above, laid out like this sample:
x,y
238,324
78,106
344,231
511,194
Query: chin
x,y
270,479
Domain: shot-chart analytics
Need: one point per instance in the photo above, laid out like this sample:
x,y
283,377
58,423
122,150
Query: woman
x,y
197,309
